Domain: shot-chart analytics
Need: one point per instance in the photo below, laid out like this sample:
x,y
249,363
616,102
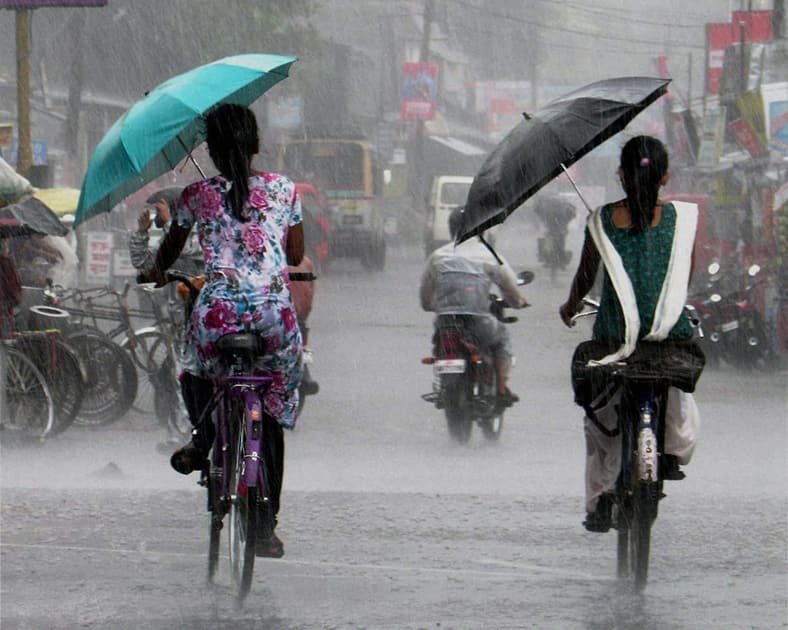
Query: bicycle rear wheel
x,y
244,506
29,409
111,378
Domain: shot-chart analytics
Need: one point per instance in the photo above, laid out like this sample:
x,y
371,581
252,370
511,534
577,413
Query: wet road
x,y
386,523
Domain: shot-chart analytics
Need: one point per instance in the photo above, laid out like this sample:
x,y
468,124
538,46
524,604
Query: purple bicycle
x,y
235,476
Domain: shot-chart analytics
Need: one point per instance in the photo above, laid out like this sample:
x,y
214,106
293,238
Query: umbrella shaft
x,y
574,185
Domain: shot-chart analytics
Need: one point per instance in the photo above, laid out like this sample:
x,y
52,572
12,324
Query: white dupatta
x,y
673,295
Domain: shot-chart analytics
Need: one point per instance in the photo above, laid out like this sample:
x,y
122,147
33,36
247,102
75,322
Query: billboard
x,y
40,4
419,91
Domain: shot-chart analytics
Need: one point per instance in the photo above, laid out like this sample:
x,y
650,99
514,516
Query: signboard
x,y
747,137
38,147
419,90
775,102
285,112
719,36
6,135
39,4
98,259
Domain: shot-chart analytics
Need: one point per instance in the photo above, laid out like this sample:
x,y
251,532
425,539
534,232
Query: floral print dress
x,y
246,281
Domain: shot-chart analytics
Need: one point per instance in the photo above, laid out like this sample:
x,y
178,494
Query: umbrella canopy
x,y
171,194
29,216
542,145
161,129
61,201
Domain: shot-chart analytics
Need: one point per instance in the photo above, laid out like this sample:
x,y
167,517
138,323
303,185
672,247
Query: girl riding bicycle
x,y
249,228
646,247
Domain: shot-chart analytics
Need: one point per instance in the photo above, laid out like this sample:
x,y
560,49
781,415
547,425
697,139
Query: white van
x,y
448,192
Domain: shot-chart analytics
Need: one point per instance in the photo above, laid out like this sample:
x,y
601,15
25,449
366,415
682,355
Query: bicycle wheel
x,y
640,539
148,351
111,378
29,409
64,373
243,509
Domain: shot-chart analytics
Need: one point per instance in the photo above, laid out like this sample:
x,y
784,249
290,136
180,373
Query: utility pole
x,y
24,158
416,168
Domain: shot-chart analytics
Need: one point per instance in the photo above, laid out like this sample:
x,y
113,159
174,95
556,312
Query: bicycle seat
x,y
243,344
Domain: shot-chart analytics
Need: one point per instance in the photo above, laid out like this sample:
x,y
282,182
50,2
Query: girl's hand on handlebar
x,y
567,312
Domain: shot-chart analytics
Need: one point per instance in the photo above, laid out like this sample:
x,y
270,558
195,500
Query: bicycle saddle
x,y
249,344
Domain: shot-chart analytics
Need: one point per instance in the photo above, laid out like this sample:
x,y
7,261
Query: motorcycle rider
x,y
457,280
555,214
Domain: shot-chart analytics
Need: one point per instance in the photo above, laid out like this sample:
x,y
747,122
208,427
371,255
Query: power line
x,y
584,33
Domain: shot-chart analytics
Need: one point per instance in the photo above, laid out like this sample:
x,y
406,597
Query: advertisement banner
x,y
39,4
747,138
719,35
775,104
98,261
757,25
419,91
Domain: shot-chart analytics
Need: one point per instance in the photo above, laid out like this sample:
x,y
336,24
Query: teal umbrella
x,y
161,129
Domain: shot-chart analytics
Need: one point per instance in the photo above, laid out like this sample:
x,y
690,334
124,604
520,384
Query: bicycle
x,y
62,369
109,375
235,476
642,382
163,342
27,411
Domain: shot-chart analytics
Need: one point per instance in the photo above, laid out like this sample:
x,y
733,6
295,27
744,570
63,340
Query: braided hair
x,y
231,132
644,162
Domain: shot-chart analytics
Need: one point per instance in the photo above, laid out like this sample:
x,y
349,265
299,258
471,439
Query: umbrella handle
x,y
577,190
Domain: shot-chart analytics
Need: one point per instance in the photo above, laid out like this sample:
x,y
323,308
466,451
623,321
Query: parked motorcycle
x,y
464,382
736,331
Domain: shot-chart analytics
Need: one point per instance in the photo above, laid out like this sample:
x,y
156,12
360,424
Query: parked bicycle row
x,y
85,357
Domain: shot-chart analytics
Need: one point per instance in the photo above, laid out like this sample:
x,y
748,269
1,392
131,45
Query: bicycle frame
x,y
238,412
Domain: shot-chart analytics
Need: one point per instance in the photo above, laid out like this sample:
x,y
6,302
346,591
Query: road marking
x,y
517,569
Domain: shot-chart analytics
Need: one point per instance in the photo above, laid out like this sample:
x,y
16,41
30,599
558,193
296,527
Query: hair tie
x,y
644,162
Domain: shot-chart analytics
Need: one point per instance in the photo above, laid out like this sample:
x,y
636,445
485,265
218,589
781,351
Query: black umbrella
x,y
545,144
29,216
171,194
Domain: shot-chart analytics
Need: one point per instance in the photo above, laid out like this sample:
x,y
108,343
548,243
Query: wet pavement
x,y
386,523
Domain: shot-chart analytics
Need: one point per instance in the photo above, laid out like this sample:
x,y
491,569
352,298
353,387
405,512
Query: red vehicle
x,y
317,223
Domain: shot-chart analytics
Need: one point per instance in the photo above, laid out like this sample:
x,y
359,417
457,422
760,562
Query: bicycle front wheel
x,y
29,410
148,350
244,507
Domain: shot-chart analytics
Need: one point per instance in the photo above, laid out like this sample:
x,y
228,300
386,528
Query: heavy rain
x,y
421,488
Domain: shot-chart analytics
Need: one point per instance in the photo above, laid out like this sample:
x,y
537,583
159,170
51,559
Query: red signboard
x,y
419,90
39,4
747,137
757,25
719,35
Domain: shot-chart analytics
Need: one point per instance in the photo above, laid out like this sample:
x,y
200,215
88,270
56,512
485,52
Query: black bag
x,y
680,363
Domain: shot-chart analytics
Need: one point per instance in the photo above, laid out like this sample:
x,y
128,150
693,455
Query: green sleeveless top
x,y
645,257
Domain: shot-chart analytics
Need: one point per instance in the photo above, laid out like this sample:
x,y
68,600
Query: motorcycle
x,y
464,377
735,331
552,253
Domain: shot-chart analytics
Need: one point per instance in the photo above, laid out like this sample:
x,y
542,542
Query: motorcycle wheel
x,y
458,413
492,427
